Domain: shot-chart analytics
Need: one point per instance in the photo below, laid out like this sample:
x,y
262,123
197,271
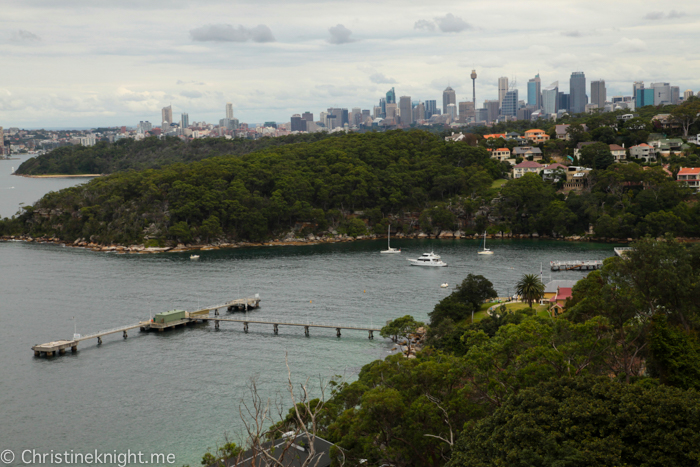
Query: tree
x,y
530,288
686,114
181,231
589,421
356,227
474,291
597,156
401,327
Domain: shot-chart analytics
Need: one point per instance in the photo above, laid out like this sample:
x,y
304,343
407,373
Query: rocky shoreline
x,y
291,240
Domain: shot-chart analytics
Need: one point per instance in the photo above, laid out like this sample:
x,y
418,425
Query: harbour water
x,y
179,392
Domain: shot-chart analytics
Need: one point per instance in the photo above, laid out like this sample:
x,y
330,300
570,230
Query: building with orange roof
x,y
501,154
689,176
536,136
495,135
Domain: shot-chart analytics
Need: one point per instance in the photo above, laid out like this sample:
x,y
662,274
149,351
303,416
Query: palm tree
x,y
530,288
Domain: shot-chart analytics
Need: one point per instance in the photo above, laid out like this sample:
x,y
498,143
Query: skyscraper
x,y
662,93
643,97
452,112
534,92
297,123
419,112
167,115
563,101
492,108
577,91
449,96
473,77
307,116
509,105
502,89
675,95
550,98
598,93
229,111
184,121
430,108
391,96
391,111
406,110
382,105
637,85
356,116
466,111
686,95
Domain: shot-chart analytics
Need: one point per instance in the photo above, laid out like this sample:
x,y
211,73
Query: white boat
x,y
194,257
389,249
428,260
485,251
444,285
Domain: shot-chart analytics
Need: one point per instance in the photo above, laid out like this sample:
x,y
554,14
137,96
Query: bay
x,y
179,392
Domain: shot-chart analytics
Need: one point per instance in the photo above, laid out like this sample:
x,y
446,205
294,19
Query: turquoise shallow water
x,y
179,392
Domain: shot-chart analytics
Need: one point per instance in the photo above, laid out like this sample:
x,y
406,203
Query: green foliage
x,y
356,227
675,354
465,300
400,327
597,156
530,288
590,421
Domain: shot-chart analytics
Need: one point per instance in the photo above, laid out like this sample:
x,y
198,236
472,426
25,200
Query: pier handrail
x,y
108,331
288,323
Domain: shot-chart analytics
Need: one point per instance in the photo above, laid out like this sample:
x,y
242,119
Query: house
x,y
694,139
550,171
664,121
618,152
455,137
579,146
502,154
495,135
643,151
551,288
558,301
562,133
689,176
576,179
290,450
536,136
527,151
666,146
527,167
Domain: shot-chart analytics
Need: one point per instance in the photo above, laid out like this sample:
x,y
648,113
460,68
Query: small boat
x,y
389,249
444,285
428,260
485,251
194,257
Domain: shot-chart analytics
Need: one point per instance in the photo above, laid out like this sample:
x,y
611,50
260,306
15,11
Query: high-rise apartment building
x,y
502,89
675,95
406,110
449,96
184,120
598,93
391,96
492,109
550,98
377,112
563,101
577,91
466,111
307,116
297,123
430,108
144,127
229,111
391,111
167,115
509,104
365,115
662,93
686,95
534,92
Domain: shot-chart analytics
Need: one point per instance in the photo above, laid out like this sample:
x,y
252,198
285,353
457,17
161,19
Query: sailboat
x,y
485,251
389,249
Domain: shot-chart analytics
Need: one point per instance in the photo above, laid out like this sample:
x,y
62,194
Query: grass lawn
x,y
513,306
498,183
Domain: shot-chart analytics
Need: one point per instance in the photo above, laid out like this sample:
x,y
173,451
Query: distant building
x,y
184,120
534,92
525,113
466,111
527,167
229,111
2,142
598,93
689,176
382,105
452,112
481,115
644,97
430,108
643,151
618,152
297,123
449,96
502,89
550,97
675,95
662,93
563,101
536,136
577,90
509,104
419,112
406,110
167,114
501,154
493,109
391,111
307,116
687,94
391,96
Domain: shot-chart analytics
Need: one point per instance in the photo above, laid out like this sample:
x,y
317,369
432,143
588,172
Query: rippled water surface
x,y
179,391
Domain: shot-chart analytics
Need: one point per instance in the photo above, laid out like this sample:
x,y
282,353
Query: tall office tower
x,y
345,117
430,108
391,111
643,98
307,116
502,88
550,98
365,115
449,96
377,112
297,123
406,110
509,104
577,91
466,111
356,116
229,111
2,142
391,96
636,86
167,115
184,121
482,115
675,95
382,105
662,93
452,112
419,112
473,77
563,101
598,93
686,95
534,92
492,107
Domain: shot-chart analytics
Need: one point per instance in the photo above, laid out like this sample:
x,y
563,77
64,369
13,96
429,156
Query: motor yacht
x,y
428,260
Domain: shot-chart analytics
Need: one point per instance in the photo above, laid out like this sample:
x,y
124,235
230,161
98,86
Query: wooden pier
x,y
59,347
576,265
622,250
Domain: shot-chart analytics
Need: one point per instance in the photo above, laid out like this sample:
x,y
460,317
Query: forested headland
x,y
355,184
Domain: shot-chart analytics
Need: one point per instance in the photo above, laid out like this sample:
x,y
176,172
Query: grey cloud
x,y
191,94
654,15
452,23
380,78
22,35
340,35
575,33
424,24
196,83
229,33
673,14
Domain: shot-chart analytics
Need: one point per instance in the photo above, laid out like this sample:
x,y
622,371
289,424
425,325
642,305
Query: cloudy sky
x,y
79,63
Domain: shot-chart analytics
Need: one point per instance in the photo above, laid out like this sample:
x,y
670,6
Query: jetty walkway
x,y
576,265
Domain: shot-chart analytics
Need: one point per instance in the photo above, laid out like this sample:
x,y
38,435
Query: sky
x,y
79,63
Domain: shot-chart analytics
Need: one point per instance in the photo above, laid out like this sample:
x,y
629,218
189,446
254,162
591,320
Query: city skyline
x,y
112,65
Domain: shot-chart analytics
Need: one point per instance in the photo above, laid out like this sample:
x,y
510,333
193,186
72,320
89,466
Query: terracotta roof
x,y
615,147
563,293
503,149
556,165
529,165
688,170
534,131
